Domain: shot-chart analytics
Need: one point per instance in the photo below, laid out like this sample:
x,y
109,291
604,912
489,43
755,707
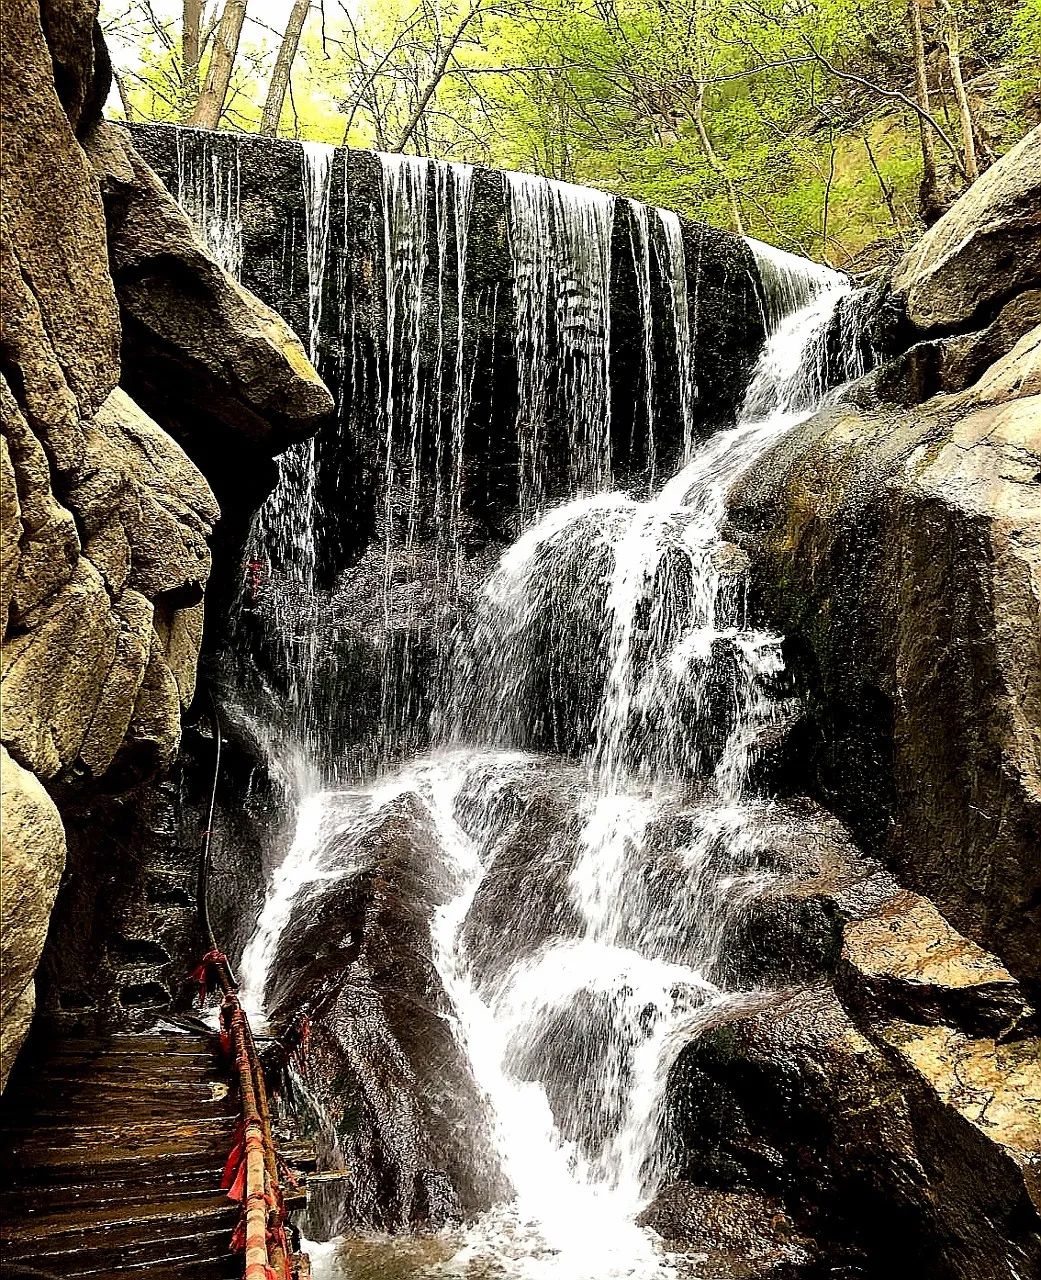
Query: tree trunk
x,y
208,109
930,192
276,90
124,97
191,54
713,159
968,135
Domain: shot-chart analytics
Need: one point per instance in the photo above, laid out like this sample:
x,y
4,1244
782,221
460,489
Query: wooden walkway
x,y
111,1154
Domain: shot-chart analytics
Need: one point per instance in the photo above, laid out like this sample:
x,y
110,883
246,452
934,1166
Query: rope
x,y
205,859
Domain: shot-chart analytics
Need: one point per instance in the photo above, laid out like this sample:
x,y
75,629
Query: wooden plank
x,y
112,1151
84,1221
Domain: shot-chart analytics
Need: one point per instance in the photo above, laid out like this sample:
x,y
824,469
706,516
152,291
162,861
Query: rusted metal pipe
x,y
263,1204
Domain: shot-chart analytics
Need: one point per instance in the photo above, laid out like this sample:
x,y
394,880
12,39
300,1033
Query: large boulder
x,y
900,549
125,545
893,1135
61,320
905,961
34,855
398,1102
982,252
199,349
895,537
733,1233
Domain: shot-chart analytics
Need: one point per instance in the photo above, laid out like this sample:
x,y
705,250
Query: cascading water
x,y
610,669
405,186
281,547
674,269
210,191
560,242
641,235
420,420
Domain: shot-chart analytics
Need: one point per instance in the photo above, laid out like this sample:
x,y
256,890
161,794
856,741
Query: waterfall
x,y
645,959
209,189
560,246
588,829
423,428
278,583
454,205
674,269
405,184
641,240
789,282
279,607
611,671
601,627
317,161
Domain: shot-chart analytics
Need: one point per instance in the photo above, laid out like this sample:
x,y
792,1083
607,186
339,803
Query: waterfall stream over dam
x,y
512,898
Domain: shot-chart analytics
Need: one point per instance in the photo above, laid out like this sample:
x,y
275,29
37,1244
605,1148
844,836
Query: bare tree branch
x,y
436,76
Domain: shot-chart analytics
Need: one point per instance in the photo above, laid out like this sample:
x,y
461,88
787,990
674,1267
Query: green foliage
x,y
1021,91
792,116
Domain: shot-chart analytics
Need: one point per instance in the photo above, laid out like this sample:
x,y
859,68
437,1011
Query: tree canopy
x,y
832,127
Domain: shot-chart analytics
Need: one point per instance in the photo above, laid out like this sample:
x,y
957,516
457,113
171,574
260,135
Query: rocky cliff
x,y
890,1105
896,540
106,517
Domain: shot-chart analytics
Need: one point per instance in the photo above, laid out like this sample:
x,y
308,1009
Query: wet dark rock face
x,y
263,191
733,1233
399,1106
843,1120
127,928
892,1102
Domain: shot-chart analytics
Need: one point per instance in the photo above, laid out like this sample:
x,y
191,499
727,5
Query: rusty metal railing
x,y
251,1172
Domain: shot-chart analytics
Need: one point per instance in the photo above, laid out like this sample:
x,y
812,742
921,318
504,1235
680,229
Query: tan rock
x,y
54,671
905,960
54,223
10,530
984,250
154,732
903,544
952,363
68,25
214,352
872,1123
117,697
46,398
994,1087
50,544
32,852
169,522
1016,374
104,521
180,634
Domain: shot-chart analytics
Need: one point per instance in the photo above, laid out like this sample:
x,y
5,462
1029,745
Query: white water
x,y
641,225
560,244
576,1116
209,189
674,269
410,411
281,550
